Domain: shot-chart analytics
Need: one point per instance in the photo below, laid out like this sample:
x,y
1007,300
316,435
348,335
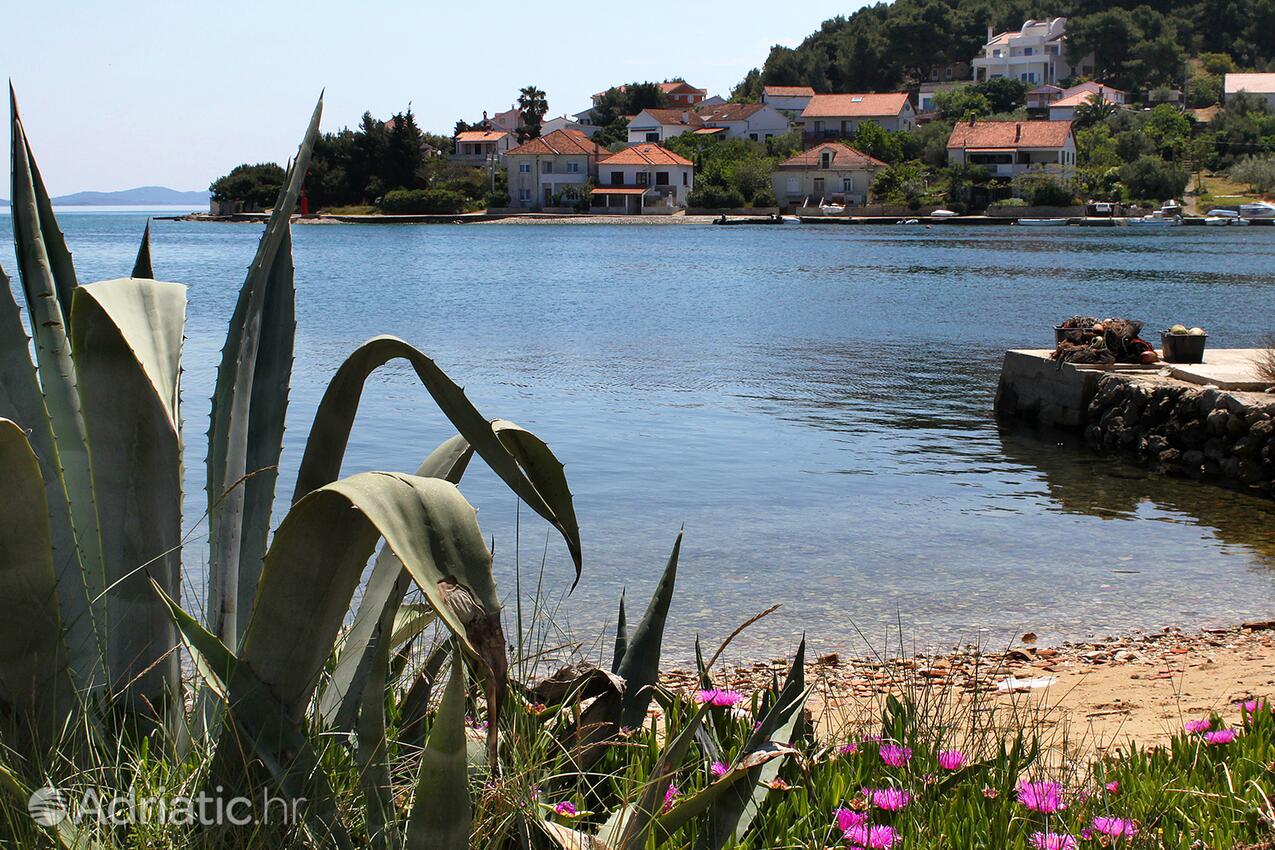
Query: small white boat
x,y
1157,220
1241,222
944,214
1043,222
832,209
908,221
1222,213
1218,221
1257,209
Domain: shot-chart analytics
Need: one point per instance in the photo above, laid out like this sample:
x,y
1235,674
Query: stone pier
x,y
1211,421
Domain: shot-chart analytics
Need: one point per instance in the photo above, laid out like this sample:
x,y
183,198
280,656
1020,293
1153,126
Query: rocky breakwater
x,y
1178,428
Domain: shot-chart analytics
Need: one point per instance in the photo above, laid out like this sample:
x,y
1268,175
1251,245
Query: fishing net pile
x,y
1087,339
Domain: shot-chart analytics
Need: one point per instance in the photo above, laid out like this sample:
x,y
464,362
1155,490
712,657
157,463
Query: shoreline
x,y
1136,687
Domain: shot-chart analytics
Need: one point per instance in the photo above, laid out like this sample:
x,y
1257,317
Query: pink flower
x,y
1052,841
849,749
951,759
719,768
669,796
1043,797
1197,726
894,755
566,809
890,799
1115,827
719,698
1113,787
1220,736
847,818
1252,706
876,837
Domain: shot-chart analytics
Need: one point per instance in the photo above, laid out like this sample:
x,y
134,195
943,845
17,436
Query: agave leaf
x,y
621,637
127,339
248,407
539,484
640,667
414,707
142,265
318,555
291,759
22,402
409,622
66,834
34,682
372,754
48,279
738,778
736,810
386,587
441,816
628,828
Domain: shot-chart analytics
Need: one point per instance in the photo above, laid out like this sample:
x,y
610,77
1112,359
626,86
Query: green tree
x,y
1093,110
255,186
960,103
904,182
878,142
1096,147
1003,94
1151,178
1257,171
532,105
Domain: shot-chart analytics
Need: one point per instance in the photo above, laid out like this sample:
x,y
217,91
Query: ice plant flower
x,y
894,755
890,799
1197,726
719,768
566,808
1113,787
669,796
1115,827
847,818
875,837
1045,797
1220,736
1052,841
719,698
1252,706
849,749
951,759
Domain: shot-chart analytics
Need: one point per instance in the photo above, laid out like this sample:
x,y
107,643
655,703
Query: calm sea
x,y
814,404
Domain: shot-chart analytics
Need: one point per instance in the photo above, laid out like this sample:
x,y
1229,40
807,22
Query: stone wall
x,y
1178,428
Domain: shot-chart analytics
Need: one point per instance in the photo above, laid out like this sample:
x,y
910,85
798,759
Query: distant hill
x,y
142,196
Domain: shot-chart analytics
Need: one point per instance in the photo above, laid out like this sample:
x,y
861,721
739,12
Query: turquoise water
x,y
813,403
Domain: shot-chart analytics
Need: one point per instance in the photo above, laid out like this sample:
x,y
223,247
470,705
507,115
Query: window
x,y
524,194
524,168
825,159
643,178
617,178
794,186
819,186
847,184
661,178
1027,51
752,136
573,168
686,179
546,166
653,137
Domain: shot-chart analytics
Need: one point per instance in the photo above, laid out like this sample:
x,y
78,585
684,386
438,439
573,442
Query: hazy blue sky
x,y
122,94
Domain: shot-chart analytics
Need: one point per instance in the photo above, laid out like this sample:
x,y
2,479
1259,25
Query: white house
x,y
644,178
1034,54
837,116
754,121
1015,148
656,125
566,122
1111,93
552,170
832,171
1064,109
480,147
789,99
1261,85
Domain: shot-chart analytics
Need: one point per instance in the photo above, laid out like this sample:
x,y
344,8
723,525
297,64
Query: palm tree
x,y
533,105
1094,110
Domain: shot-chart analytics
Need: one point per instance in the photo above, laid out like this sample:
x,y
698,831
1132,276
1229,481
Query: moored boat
x,y
1043,222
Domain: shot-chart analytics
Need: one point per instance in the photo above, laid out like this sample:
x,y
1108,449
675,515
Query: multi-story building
x,y
837,116
552,170
831,172
1035,54
1011,149
645,178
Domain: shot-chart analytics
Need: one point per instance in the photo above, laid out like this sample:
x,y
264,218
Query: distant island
x,y
142,196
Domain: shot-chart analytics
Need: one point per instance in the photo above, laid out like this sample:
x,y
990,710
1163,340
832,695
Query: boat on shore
x,y
1157,220
1043,222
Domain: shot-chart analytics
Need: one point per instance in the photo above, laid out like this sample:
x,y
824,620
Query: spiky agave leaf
x,y
520,459
441,816
248,408
35,689
48,281
142,265
382,596
738,778
127,341
621,637
640,667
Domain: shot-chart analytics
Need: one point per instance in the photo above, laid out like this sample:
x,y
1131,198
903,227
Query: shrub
x,y
256,186
1048,193
412,201
1257,171
1266,361
712,197
498,199
1152,178
765,198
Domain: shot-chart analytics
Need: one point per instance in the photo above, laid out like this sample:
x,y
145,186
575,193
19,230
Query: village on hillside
x,y
1001,129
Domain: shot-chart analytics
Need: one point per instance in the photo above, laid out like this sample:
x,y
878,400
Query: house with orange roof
x,y
1014,149
1036,53
552,170
754,121
658,125
1064,109
787,99
837,116
643,179
682,93
831,172
481,147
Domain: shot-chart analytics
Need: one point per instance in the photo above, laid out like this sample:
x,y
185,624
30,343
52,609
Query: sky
x,y
122,94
